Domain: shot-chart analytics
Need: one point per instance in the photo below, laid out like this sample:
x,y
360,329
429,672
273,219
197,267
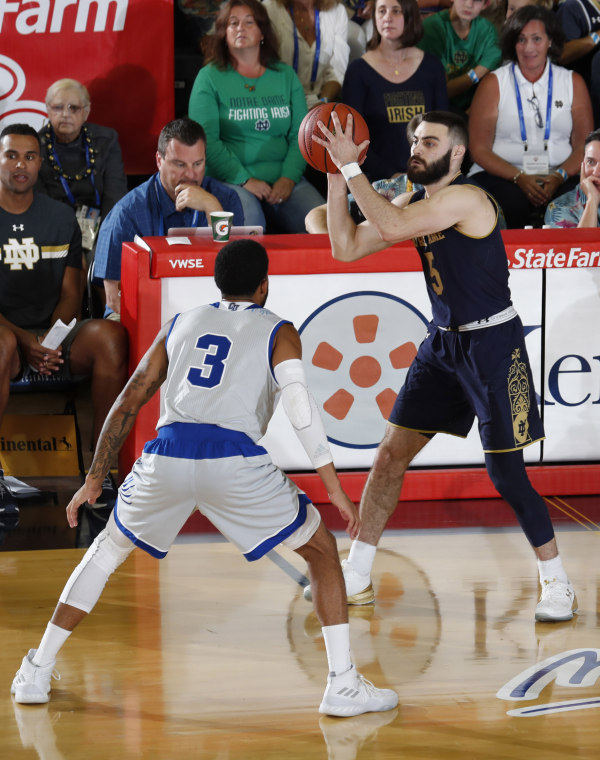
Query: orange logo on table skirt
x,y
358,349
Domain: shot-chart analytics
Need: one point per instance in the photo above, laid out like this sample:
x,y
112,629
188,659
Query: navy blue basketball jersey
x,y
467,277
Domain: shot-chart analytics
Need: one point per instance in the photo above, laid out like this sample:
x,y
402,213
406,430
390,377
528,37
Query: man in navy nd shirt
x,y
473,361
178,195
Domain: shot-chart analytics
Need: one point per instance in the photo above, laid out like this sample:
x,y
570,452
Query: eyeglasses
x,y
69,108
234,23
533,102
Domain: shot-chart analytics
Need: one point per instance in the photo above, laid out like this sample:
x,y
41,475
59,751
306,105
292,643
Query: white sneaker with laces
x,y
31,684
557,601
351,694
359,588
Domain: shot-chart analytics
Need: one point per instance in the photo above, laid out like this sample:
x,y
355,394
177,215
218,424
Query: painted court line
x,y
554,707
288,568
570,511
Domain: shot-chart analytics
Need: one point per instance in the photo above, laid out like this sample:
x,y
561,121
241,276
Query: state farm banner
x,y
121,50
534,249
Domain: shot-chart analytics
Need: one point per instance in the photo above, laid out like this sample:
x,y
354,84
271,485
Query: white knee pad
x,y
109,550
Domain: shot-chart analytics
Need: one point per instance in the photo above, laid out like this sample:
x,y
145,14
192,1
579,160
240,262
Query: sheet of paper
x,y
57,333
141,242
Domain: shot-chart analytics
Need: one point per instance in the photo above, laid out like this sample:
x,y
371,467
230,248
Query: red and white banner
x,y
552,249
121,50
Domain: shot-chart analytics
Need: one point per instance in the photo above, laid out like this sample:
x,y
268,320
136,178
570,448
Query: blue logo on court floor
x,y
576,668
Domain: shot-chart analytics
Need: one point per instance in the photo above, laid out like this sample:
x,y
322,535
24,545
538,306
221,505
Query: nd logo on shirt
x,y
21,254
26,254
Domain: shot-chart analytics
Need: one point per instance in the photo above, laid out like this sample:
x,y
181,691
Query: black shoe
x,y
8,523
8,502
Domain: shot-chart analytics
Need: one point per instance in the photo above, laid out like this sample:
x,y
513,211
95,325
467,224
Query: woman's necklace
x,y
64,178
251,75
90,159
396,66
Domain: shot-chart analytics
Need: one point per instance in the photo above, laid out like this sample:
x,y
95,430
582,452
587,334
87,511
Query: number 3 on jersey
x,y
216,349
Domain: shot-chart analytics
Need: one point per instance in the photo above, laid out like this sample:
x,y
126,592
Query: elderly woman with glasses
x,y
82,161
529,120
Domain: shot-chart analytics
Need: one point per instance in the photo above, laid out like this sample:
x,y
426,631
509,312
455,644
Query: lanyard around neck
x,y
548,109
313,76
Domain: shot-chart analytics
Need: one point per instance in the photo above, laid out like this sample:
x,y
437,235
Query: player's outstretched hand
x,y
339,143
347,510
89,492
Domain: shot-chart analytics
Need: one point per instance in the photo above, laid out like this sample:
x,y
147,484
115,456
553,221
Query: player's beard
x,y
428,174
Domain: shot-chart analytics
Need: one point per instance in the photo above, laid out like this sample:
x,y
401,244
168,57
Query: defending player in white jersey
x,y
223,366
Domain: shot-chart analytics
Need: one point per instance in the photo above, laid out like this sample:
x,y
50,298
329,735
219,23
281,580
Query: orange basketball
x,y
316,155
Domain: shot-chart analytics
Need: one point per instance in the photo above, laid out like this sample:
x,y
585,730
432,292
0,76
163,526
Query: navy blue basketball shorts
x,y
457,376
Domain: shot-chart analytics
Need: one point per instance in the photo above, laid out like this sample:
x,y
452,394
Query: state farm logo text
x,y
529,258
62,16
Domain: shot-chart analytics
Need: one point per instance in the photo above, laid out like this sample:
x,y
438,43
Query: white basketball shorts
x,y
224,475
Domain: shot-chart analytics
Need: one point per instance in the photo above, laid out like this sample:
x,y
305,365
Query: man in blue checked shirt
x,y
178,195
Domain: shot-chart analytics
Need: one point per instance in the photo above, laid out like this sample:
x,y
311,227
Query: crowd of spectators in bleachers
x,y
390,59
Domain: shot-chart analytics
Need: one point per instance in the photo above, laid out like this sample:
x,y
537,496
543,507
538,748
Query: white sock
x,y
361,557
337,644
52,640
552,568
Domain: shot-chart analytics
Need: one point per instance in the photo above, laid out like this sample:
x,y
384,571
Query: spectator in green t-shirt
x,y
251,106
467,46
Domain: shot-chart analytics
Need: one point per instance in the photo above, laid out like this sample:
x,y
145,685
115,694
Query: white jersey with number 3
x,y
220,368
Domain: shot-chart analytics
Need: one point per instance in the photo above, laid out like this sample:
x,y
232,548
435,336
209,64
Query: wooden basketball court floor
x,y
203,655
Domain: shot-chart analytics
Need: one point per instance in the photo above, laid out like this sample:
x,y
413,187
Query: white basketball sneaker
x,y
351,694
358,587
557,602
31,684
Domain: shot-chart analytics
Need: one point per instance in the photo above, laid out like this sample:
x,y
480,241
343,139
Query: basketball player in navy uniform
x,y
223,366
473,362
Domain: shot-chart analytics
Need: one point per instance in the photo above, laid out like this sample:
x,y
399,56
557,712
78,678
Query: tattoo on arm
x,y
155,386
111,439
122,416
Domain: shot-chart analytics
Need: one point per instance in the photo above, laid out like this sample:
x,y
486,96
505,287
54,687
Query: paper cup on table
x,y
221,225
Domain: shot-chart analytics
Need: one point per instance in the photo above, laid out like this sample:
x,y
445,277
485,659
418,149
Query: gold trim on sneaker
x,y
366,596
